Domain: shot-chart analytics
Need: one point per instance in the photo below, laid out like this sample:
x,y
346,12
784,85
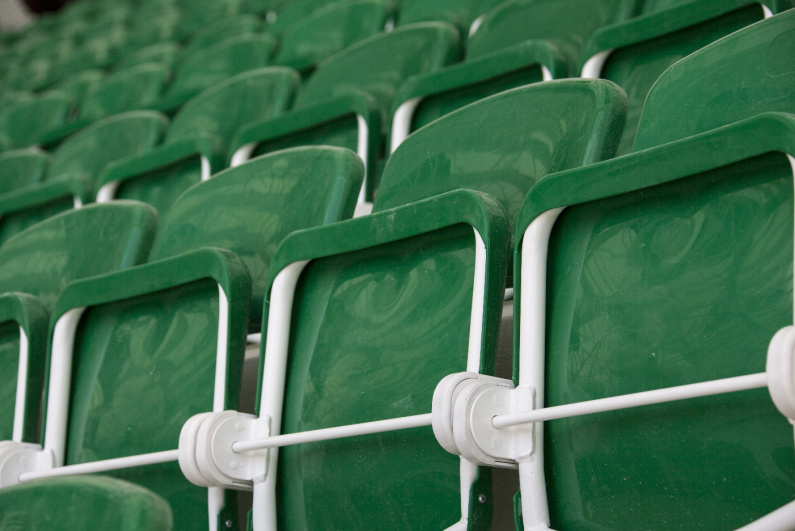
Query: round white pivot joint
x,y
464,405
205,450
17,458
781,371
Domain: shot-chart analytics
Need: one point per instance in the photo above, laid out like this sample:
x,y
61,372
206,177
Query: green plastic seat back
x,y
198,14
636,66
215,114
23,124
567,24
131,89
684,282
85,242
756,75
224,108
96,53
294,12
222,30
164,53
87,152
311,40
20,168
373,331
160,29
460,13
12,97
535,130
83,502
249,209
379,64
79,85
221,61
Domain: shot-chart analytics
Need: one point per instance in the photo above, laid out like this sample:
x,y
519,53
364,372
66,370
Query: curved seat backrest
x,y
220,31
20,168
128,90
23,124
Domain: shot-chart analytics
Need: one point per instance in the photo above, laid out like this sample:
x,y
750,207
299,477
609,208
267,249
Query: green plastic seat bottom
x,y
373,332
82,502
15,222
161,188
143,367
637,67
9,361
342,132
438,105
676,284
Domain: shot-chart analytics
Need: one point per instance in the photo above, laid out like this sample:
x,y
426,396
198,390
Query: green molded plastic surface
x,y
155,30
146,347
164,53
271,197
19,311
215,64
313,39
382,312
635,66
293,12
202,128
222,30
533,131
89,241
326,108
23,124
131,89
669,266
460,13
83,502
21,168
81,84
566,24
749,72
198,14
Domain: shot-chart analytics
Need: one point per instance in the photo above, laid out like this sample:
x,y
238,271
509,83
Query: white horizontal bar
x,y
103,466
328,434
658,396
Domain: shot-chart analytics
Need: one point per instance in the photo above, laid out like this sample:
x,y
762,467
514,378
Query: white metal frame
x,y
107,192
22,387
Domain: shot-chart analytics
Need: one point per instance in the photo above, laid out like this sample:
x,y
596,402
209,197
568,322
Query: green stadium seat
x,y
164,53
75,167
668,266
157,28
35,266
634,53
344,104
83,502
175,328
131,89
79,85
195,146
308,42
387,305
215,64
519,42
22,167
222,30
292,12
460,13
26,123
197,14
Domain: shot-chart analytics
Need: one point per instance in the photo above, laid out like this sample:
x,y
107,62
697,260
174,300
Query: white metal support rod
x,y
658,396
103,466
340,432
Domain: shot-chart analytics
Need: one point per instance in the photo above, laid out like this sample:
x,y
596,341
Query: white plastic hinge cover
x,y
17,457
464,405
781,371
205,450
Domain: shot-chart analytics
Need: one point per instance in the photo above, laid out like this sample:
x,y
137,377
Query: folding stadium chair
x,y
308,42
154,29
196,143
197,14
292,12
134,88
24,124
165,340
79,85
89,502
670,266
634,53
74,168
215,64
220,31
345,105
519,42
35,266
